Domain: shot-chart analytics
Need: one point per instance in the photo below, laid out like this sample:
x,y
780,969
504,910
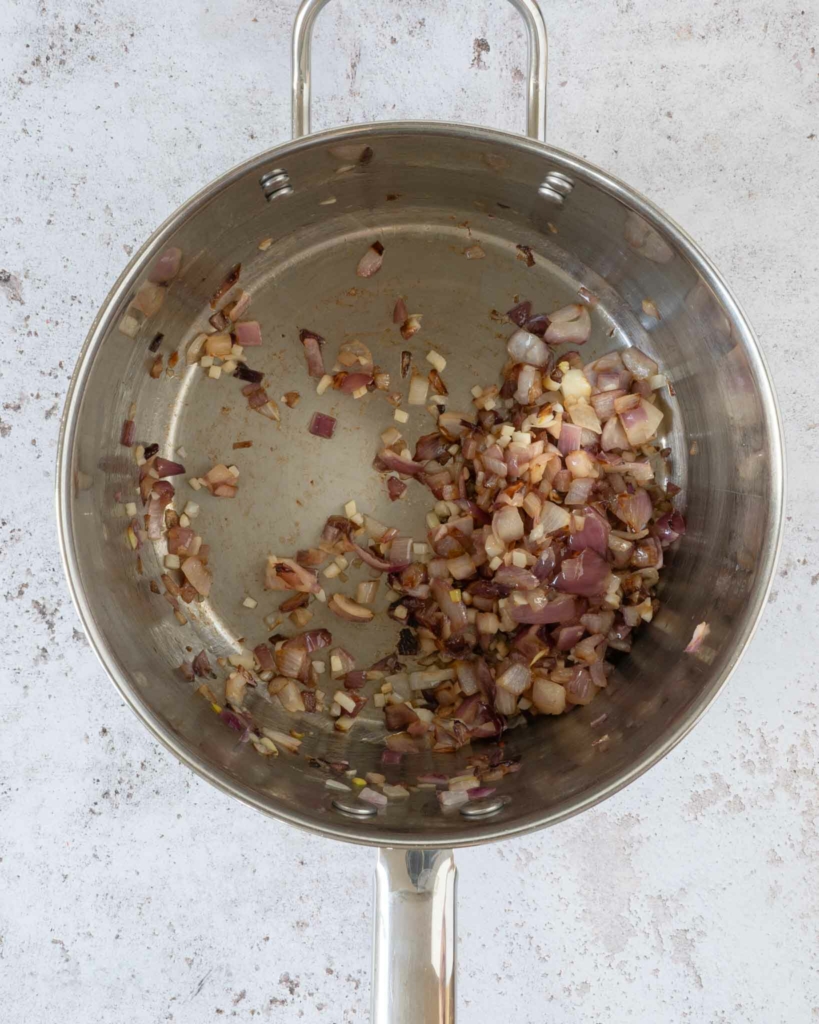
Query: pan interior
x,y
427,214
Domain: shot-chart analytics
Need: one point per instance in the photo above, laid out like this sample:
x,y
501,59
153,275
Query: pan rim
x,y
478,832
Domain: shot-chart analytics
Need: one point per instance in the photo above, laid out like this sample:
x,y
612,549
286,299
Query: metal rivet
x,y
555,187
354,810
276,183
483,808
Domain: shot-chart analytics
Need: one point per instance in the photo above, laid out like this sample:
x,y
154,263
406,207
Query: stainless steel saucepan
x,y
426,191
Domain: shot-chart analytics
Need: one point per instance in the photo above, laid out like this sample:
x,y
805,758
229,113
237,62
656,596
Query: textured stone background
x,y
132,892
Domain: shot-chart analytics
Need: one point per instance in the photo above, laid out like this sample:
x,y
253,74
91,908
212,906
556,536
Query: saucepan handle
x,y
538,56
414,943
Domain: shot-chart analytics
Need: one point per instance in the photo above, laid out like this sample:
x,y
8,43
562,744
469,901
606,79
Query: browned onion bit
x,y
243,372
436,383
525,253
226,285
150,450
291,399
156,342
156,368
290,604
128,434
411,326
520,313
408,642
406,362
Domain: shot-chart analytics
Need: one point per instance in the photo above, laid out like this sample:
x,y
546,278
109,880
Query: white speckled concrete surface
x,y
132,892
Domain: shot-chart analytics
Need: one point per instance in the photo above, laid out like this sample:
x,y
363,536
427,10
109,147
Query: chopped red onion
x,y
455,611
507,524
638,363
179,539
198,575
201,665
395,487
613,436
515,578
580,689
569,440
399,716
433,779
537,324
248,333
562,609
586,574
166,266
700,633
381,564
322,426
529,387
569,325
593,534
355,381
450,799
634,509
528,348
431,446
370,262
579,491
400,743
373,797
312,352
389,460
400,552
670,527
480,792
164,467
128,434
399,313
520,314
603,404
568,636
355,680
264,656
285,574
515,679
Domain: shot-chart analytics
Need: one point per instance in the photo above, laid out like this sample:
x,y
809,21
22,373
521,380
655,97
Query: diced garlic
x,y
390,436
